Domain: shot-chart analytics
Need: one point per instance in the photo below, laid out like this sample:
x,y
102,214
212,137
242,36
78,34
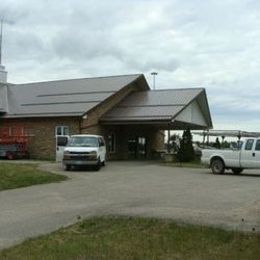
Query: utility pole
x,y
1,38
3,73
154,74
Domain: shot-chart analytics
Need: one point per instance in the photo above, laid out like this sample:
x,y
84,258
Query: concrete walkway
x,y
131,188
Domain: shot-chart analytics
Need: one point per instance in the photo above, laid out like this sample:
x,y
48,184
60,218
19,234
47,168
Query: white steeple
x,y
3,73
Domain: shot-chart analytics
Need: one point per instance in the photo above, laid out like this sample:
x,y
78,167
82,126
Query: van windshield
x,y
83,141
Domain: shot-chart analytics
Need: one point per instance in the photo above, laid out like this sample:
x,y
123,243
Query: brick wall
x,y
42,143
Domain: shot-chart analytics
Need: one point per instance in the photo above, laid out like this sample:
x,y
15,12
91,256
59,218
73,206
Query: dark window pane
x,y
61,130
257,147
62,140
58,130
249,144
65,130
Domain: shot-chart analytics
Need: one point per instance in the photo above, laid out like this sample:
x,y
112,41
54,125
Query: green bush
x,y
186,151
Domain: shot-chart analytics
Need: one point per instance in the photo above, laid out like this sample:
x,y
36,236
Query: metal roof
x,y
78,96
153,105
64,97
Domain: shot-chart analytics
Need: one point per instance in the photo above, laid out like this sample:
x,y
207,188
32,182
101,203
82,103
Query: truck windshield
x,y
83,141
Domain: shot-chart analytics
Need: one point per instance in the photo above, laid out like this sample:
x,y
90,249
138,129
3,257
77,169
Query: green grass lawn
x,y
21,175
137,238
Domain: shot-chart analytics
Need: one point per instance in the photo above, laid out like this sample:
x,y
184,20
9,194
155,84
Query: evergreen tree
x,y
217,143
186,152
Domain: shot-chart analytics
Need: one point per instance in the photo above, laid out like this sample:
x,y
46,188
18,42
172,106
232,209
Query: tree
x,y
217,143
186,151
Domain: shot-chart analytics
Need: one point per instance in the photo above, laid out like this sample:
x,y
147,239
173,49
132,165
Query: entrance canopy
x,y
169,108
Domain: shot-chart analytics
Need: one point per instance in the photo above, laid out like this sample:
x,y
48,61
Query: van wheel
x,y
237,170
217,166
97,167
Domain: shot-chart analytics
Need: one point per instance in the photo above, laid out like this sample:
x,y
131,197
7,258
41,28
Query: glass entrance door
x,y
137,147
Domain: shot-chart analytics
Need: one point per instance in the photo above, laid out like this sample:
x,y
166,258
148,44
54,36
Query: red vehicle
x,y
13,143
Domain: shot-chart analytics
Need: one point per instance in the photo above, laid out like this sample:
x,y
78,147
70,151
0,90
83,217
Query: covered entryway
x,y
140,120
137,147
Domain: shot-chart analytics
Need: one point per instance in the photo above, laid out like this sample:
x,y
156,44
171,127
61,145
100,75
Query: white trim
x,y
62,130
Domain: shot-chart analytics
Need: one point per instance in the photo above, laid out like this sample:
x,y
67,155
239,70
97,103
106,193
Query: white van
x,y
85,150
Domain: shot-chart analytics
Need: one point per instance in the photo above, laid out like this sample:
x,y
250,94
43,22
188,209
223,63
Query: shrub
x,y
186,151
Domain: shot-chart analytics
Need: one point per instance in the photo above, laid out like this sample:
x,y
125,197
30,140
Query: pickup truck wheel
x,y
237,170
217,166
67,167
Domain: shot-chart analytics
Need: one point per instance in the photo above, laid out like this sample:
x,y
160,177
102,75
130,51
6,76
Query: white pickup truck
x,y
247,156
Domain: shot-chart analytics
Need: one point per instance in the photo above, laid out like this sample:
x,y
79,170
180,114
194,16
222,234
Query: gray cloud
x,y
212,44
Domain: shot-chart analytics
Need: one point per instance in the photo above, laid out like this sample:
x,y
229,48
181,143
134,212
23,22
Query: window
x,y
111,144
61,130
62,140
29,131
83,141
101,142
257,146
249,144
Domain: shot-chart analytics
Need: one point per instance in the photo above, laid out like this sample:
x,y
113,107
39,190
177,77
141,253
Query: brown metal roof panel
x,y
60,114
161,97
67,99
75,95
112,83
138,118
137,121
153,111
79,108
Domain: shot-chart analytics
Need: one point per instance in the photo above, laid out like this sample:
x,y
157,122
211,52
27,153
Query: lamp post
x,y
154,74
1,36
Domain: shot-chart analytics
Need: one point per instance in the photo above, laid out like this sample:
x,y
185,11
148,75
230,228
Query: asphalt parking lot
x,y
131,188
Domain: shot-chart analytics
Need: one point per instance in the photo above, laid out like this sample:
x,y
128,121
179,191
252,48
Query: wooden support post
x,y
168,143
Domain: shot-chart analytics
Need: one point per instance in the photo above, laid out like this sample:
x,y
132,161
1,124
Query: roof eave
x,y
208,117
8,116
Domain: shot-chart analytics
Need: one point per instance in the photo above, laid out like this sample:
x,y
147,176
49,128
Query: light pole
x,y
154,74
1,36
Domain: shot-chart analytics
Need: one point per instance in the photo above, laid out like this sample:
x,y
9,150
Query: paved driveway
x,y
131,188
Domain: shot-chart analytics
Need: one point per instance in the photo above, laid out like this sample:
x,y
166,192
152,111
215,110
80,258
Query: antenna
x,y
1,37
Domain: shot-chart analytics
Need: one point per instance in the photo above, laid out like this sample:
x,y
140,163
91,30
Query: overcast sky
x,y
213,44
